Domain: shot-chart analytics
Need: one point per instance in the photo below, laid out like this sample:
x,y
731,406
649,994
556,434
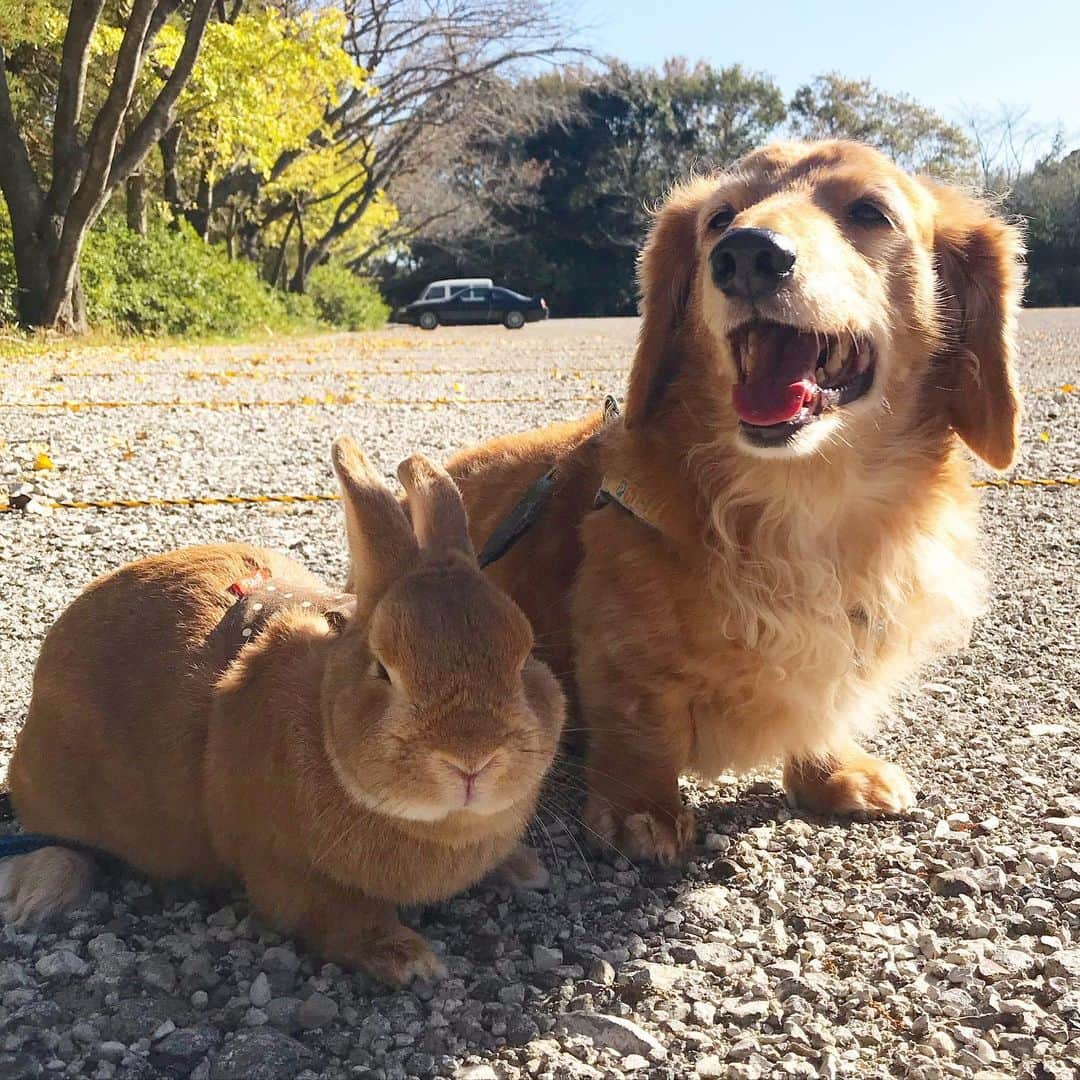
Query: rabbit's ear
x,y
435,505
381,541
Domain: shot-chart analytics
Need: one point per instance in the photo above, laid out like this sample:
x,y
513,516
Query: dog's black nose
x,y
752,263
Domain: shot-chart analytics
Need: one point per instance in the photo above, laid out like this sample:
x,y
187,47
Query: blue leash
x,y
24,843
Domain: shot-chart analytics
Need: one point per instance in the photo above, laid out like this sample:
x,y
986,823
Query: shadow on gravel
x,y
169,980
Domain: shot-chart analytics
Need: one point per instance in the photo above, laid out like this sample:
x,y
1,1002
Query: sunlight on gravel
x,y
945,943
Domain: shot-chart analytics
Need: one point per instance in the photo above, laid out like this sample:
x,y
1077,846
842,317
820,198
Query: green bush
x,y
8,313
342,299
170,282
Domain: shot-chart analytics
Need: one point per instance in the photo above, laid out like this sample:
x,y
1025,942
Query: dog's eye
x,y
722,218
866,212
379,672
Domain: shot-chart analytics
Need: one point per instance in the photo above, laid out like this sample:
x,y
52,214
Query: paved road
x,y
787,947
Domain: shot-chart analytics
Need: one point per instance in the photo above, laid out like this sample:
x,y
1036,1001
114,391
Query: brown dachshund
x,y
787,526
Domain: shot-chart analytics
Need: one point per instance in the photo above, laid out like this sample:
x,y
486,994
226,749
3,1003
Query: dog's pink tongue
x,y
780,376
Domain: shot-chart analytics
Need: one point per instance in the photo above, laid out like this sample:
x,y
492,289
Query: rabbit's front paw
x,y
403,955
641,834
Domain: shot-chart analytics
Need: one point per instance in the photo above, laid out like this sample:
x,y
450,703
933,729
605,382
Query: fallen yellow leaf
x,y
1044,436
42,462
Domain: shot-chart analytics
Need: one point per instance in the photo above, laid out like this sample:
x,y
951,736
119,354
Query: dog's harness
x,y
526,511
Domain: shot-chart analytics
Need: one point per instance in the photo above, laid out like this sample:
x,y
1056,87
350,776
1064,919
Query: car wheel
x,y
428,320
514,320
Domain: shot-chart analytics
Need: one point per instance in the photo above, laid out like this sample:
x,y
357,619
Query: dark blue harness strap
x,y
24,843
529,507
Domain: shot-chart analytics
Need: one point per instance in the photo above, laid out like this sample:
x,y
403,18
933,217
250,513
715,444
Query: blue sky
x,y
946,54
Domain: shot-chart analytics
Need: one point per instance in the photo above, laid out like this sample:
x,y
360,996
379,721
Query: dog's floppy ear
x,y
980,267
665,275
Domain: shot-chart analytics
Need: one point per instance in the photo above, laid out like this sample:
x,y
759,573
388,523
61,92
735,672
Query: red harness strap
x,y
247,585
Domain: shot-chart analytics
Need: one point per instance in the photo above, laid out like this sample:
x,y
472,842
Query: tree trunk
x,y
135,186
299,279
35,251
32,277
169,144
204,206
278,279
230,235
49,229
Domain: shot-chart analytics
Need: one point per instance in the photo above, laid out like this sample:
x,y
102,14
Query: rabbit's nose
x,y
468,771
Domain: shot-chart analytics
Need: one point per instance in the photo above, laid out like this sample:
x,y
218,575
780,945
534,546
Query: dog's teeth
x,y
820,374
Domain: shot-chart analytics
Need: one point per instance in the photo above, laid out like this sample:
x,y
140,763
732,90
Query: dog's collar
x,y
620,492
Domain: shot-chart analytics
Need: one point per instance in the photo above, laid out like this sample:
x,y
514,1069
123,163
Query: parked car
x,y
471,301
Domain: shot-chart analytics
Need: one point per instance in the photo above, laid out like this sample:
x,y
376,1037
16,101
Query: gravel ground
x,y
946,943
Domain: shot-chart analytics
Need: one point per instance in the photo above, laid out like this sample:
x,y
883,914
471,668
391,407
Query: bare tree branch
x,y
100,178
159,116
17,179
1005,141
75,57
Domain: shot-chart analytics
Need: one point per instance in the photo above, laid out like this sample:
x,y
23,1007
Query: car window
x,y
436,292
478,296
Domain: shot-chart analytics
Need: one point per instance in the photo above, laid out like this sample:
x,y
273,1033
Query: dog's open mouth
x,y
788,378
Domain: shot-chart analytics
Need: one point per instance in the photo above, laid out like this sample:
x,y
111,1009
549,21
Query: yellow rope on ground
x,y
290,500
264,374
1028,481
308,401
198,500
330,398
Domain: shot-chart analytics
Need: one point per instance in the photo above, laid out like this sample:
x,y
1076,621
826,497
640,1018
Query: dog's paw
x,y
642,834
867,785
399,957
523,869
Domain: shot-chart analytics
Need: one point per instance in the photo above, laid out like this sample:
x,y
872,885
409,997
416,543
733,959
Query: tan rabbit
x,y
337,755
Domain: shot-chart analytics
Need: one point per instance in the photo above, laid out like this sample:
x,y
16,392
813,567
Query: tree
x,y
93,145
1005,141
608,147
1048,199
433,65
250,157
914,136
429,65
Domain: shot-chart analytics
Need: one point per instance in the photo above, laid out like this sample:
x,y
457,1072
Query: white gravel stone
x,y
546,959
260,992
615,1033
317,1011
61,964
